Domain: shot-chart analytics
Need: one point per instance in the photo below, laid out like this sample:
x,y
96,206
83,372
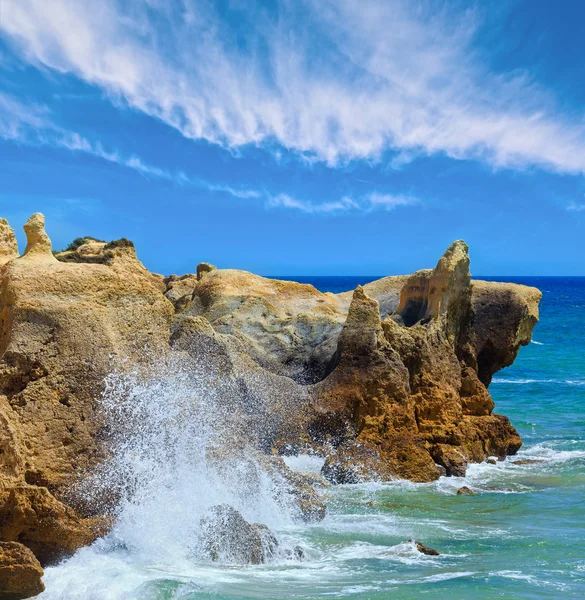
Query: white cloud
x,y
333,80
336,206
576,207
17,118
32,124
390,201
367,203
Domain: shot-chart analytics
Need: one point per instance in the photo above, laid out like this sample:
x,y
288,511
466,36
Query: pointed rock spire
x,y
362,332
433,293
8,245
38,242
449,279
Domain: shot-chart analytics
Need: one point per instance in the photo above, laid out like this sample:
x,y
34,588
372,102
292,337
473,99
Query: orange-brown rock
x,y
62,324
52,530
406,391
399,368
504,315
388,381
20,572
369,391
424,549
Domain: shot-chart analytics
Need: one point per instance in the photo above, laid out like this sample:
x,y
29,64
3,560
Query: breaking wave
x,y
515,381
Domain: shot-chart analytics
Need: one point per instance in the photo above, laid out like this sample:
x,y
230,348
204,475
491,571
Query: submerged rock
x,y
297,553
309,503
527,461
293,490
424,549
20,572
228,537
465,491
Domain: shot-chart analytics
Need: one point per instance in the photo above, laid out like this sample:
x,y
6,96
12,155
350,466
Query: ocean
x,y
521,536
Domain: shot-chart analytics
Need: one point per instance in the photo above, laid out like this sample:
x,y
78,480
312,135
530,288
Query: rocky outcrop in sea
x,y
388,381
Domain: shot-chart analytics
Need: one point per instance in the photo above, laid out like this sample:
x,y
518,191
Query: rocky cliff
x,y
390,380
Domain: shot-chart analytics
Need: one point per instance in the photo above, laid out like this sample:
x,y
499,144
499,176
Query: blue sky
x,y
302,136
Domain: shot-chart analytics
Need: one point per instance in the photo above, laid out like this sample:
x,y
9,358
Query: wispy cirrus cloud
x,y
366,203
32,124
332,80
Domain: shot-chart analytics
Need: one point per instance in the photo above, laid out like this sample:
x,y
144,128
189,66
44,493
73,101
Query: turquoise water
x,y
521,536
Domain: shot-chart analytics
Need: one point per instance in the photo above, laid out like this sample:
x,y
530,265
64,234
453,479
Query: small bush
x,y
77,242
121,243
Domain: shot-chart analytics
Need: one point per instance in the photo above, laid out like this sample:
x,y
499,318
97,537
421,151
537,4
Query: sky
x,y
301,137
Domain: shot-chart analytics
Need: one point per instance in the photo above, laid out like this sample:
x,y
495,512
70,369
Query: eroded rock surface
x,y
38,246
390,380
61,327
410,390
20,572
286,327
8,244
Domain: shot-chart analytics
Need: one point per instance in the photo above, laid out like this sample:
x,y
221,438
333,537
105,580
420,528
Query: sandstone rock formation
x,y
20,572
38,245
390,380
8,244
179,290
203,268
286,327
61,326
411,390
396,382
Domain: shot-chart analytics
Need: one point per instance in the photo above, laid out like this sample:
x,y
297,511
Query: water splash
x,y
178,447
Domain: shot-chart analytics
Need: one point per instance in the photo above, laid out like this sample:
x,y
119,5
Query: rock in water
x,y
33,516
424,549
228,537
451,459
465,491
20,572
410,391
